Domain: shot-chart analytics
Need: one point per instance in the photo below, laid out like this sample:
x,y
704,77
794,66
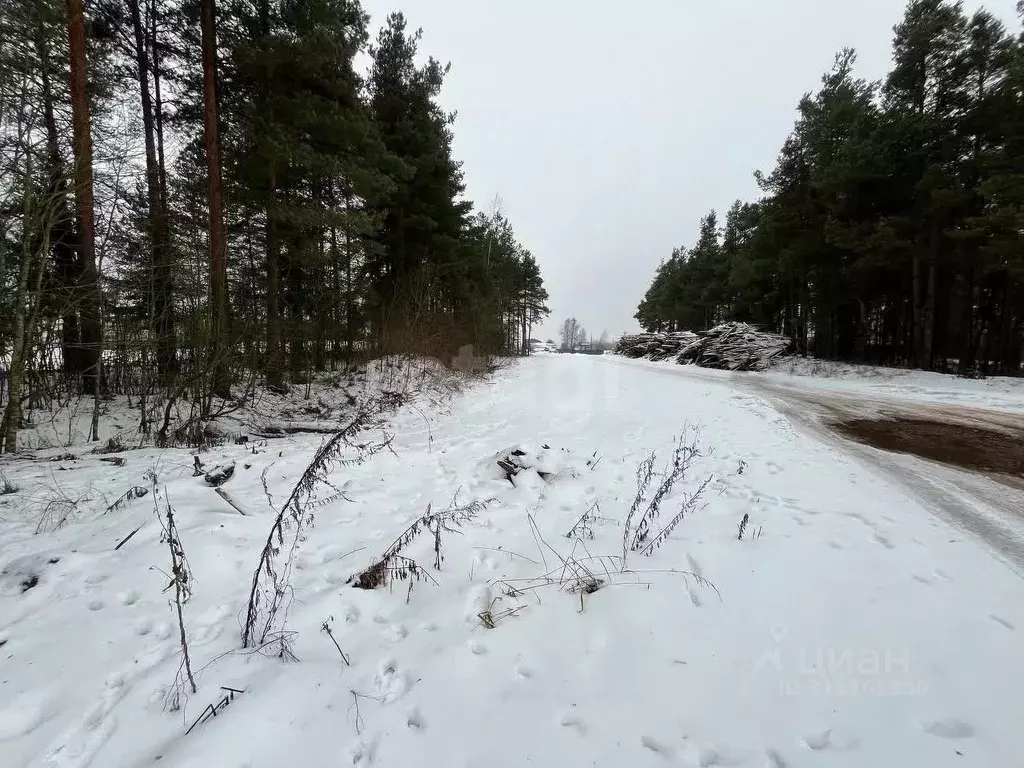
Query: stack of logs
x,y
656,346
730,346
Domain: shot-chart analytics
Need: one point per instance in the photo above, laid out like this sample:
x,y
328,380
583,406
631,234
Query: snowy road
x,y
862,627
988,507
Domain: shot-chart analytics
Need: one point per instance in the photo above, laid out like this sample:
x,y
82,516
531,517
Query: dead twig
x,y
126,538
180,579
231,502
326,627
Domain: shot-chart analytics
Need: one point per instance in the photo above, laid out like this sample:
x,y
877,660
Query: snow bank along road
x,y
862,627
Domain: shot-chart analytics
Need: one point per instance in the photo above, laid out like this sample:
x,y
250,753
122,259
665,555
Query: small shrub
x,y
394,565
687,449
7,487
584,528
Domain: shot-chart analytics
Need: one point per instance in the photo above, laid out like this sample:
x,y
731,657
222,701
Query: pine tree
x,y
889,229
307,216
415,272
92,343
221,375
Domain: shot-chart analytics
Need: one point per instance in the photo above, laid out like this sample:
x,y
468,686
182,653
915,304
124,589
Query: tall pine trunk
x,y
218,255
66,259
12,413
928,304
275,352
161,298
275,361
349,329
82,144
158,114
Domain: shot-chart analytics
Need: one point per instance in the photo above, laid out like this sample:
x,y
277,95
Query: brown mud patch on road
x,y
979,449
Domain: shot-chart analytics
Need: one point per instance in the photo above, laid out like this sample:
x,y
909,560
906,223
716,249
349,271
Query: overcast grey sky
x,y
609,128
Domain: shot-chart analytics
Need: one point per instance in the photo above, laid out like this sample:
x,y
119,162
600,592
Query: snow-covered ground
x,y
319,406
849,627
1002,392
892,385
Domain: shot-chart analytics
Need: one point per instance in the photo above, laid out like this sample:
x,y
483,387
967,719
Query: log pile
x,y
730,346
656,346
735,347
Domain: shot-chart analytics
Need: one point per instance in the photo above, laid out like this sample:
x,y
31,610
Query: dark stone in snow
x,y
220,474
23,573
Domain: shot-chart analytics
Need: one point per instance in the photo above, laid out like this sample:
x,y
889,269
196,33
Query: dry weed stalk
x,y
644,473
742,527
394,565
686,450
136,492
682,457
326,627
60,506
270,583
584,527
181,583
687,506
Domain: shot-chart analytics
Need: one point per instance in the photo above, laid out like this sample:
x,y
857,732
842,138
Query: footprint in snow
x,y
831,739
1001,620
27,712
948,728
649,742
414,719
350,613
390,679
921,579
717,755
477,648
523,672
206,633
571,719
128,597
835,545
95,605
694,565
116,680
773,468
360,752
396,633
773,759
482,562
880,539
478,601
